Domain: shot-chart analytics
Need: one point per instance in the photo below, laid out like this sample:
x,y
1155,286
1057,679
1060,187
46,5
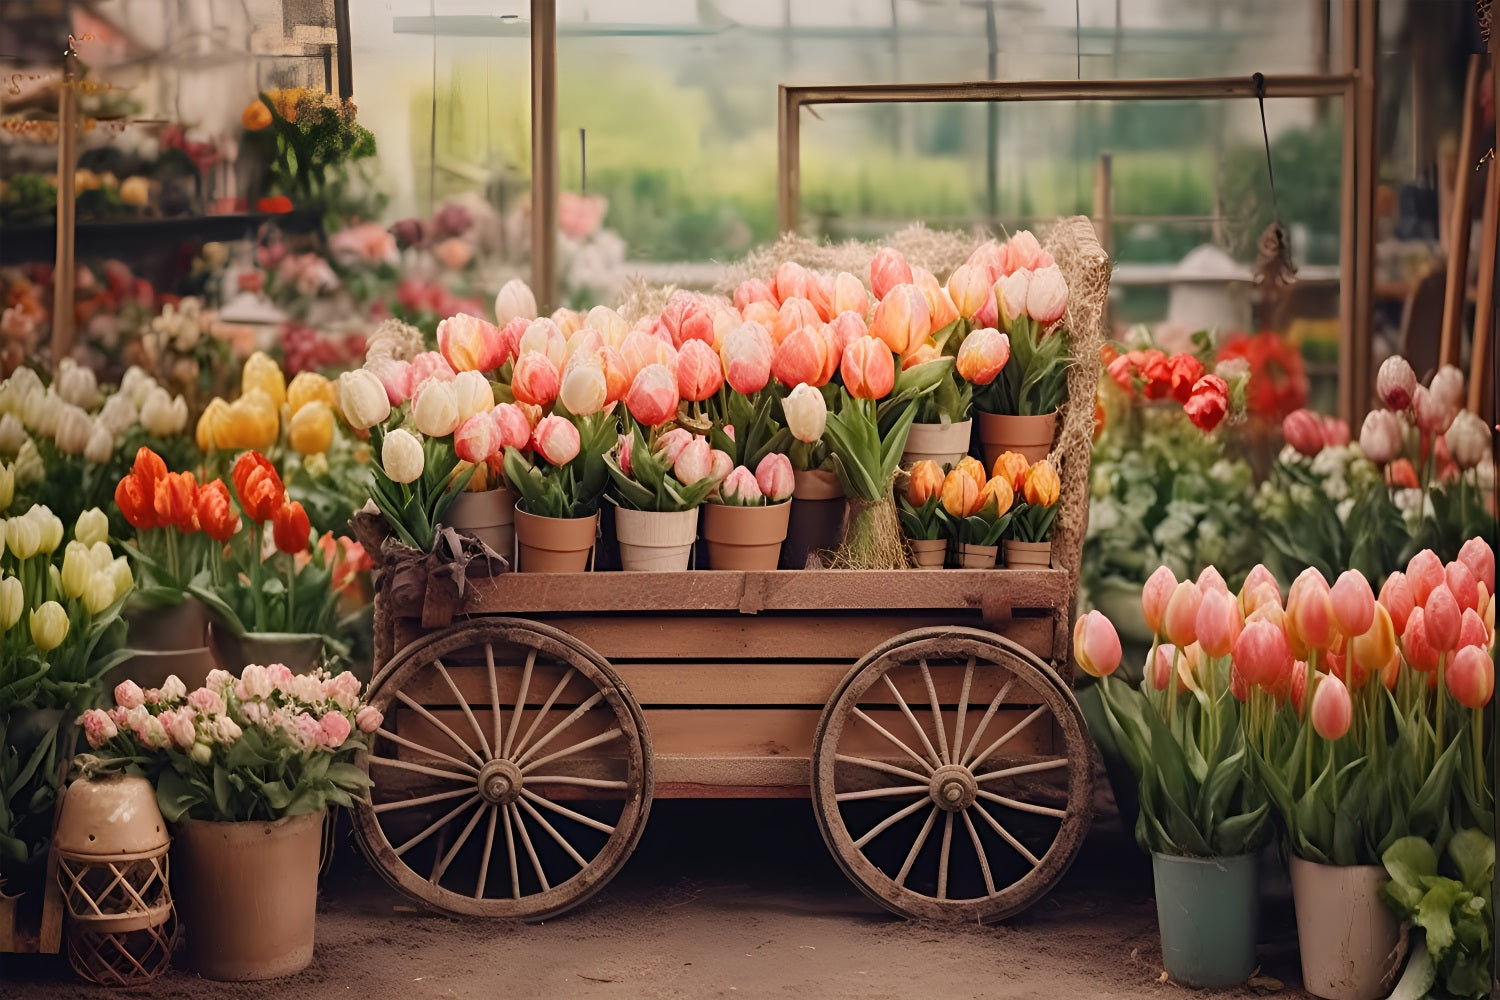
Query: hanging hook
x,y
1260,97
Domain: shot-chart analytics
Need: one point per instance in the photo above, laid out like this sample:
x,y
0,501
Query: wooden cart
x,y
926,713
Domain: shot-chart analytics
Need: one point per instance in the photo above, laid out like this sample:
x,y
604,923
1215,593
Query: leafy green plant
x,y
1452,905
1333,513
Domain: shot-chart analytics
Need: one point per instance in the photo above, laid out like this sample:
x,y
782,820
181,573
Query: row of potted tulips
x,y
1350,726
962,516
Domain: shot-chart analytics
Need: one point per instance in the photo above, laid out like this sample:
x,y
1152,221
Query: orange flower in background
x,y
1042,486
256,116
960,494
1012,467
925,482
216,514
137,502
347,557
1101,418
175,499
290,528
1278,380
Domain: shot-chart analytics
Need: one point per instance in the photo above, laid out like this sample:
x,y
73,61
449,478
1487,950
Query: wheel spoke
x,y
463,838
489,660
963,707
888,822
1008,772
576,817
406,700
878,765
561,840
937,713
1019,806
424,800
515,718
540,715
587,744
434,772
419,748
864,717
489,845
1006,836
916,848
942,886
932,754
568,779
510,852
880,793
437,825
463,703
984,720
571,718
536,864
1031,717
984,862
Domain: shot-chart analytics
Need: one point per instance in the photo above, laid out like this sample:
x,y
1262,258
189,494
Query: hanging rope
x,y
1274,270
1260,98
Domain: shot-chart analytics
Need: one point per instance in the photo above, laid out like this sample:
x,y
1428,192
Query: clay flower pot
x,y
1028,555
248,894
944,444
817,517
554,544
171,639
1347,935
1031,437
299,651
929,553
489,516
745,537
654,541
977,556
1207,910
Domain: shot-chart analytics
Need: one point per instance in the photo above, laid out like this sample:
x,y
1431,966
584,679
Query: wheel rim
x,y
950,813
511,776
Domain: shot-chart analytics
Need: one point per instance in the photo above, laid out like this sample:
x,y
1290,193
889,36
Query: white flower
x,y
101,444
163,415
12,434
118,412
174,689
76,384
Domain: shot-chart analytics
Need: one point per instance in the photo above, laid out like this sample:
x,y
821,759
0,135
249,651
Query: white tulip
x,y
12,434
546,337
49,527
162,415
610,324
118,413
7,486
39,411
584,388
100,445
435,410
73,429
401,456
473,393
92,526
77,384
514,299
362,399
136,384
1468,439
806,413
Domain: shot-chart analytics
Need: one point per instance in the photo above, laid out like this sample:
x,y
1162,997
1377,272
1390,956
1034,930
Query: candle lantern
x,y
112,867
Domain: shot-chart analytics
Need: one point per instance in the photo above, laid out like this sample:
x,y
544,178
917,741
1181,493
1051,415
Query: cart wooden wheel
x,y
511,775
953,776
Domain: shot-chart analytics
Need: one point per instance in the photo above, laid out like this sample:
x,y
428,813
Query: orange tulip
x,y
849,295
924,482
137,502
960,494
801,356
972,467
1042,486
216,515
901,319
940,308
998,492
868,368
256,116
969,287
983,354
1012,466
794,315
148,467
887,270
175,499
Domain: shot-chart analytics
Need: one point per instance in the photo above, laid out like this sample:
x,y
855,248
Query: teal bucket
x,y
1207,910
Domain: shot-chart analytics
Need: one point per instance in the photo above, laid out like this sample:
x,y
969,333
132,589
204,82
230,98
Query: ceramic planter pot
x,y
928,553
944,444
248,893
1028,555
1029,436
1207,910
554,544
1348,937
169,628
301,652
976,556
746,538
654,541
489,516
817,517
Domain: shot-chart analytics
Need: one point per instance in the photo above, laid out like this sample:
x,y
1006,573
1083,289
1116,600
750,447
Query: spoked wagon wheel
x,y
512,774
953,776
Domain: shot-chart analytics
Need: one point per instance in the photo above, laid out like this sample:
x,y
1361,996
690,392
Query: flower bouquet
x,y
311,132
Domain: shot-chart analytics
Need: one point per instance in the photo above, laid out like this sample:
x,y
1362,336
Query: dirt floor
x,y
732,899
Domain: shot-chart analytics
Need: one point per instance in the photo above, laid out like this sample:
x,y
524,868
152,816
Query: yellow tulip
x,y
310,387
212,426
263,373
254,421
135,191
7,486
12,602
310,431
49,626
92,526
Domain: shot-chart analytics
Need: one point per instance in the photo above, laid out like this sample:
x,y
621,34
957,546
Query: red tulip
x,y
216,515
1353,603
1219,622
1155,595
869,369
1180,621
1471,677
1303,430
137,502
1208,404
1443,619
290,528
1184,372
1332,708
1262,654
148,467
1096,645
1480,558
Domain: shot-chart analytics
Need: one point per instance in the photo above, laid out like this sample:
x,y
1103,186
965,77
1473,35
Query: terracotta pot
x,y
1348,937
817,517
299,651
653,541
168,628
248,894
944,444
489,516
554,544
1207,910
1029,436
745,537
928,553
977,556
1028,555
151,669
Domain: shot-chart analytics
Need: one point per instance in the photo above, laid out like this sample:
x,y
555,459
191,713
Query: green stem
x,y
1442,700
1171,685
1477,730
291,580
1307,696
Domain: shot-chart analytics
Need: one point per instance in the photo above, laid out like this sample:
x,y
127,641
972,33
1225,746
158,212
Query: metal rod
x,y
342,36
67,162
544,152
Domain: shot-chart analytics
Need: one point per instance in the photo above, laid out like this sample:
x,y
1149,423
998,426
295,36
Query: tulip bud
x,y
1460,580
775,478
960,494
49,626
401,456
1443,619
310,431
1332,709
1425,573
514,299
653,398
435,409
1219,622
983,354
535,379
77,384
746,357
694,463
1471,677
1417,646
77,569
1096,645
12,602
722,465
699,371
92,526
263,373
901,319
868,368
98,592
887,270
1309,609
1010,294
924,481
1047,296
556,439
740,489
1396,383
969,287
1353,603
1262,653
477,439
1472,630
511,424
120,576
1180,619
100,447
1433,413
1468,439
1042,487
1303,430
362,398
1448,386
1480,558
1155,595
1373,649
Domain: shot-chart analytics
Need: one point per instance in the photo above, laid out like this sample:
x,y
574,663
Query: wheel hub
x,y
953,787
500,782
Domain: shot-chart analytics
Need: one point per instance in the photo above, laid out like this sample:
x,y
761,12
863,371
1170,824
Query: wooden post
x,y
544,188
1104,202
1449,348
1359,374
67,162
789,149
1480,368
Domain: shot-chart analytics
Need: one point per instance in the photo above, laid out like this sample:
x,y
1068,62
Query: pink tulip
x,y
1443,619
1259,577
1471,631
430,364
1262,654
982,355
901,319
694,463
1211,578
992,258
1335,432
722,465
868,369
624,446
1425,573
849,296
1397,598
1309,608
1353,603
671,443
1471,677
476,438
791,281
1296,686
510,336
368,719
989,313
1396,383
1261,596
1011,292
1448,387
1047,296
652,399
640,349
471,344
1219,621
1026,252
887,270
1433,413
1480,558
801,357
753,290
686,319
1180,620
556,439
1465,588
740,487
1159,667
1420,652
1155,595
845,329
335,727
1380,436
545,337
395,377
1096,645
699,373
535,379
1332,709
512,428
746,356
794,315
1303,430
775,478
128,694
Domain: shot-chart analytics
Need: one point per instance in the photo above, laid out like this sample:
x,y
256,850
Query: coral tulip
x,y
1443,618
941,311
1380,436
968,287
1471,630
1397,598
746,356
430,365
887,270
616,375
1259,597
801,357
671,444
1460,580
1208,404
849,296
1471,677
1425,573
1353,603
1219,622
794,314
983,354
261,495
1185,371
215,514
901,319
1480,558
1303,430
1212,579
1416,645
471,344
477,439
534,380
1396,383
775,477
1154,595
1096,645
686,319
960,494
1013,467
699,373
1180,620
652,399
1262,653
753,290
1047,296
290,528
513,428
791,281
1309,609
924,481
845,329
869,369
556,439
1332,709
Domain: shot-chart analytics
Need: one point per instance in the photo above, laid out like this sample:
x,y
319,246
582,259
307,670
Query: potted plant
x,y
560,484
817,497
976,513
1452,906
1030,542
245,769
745,520
657,489
921,515
1202,815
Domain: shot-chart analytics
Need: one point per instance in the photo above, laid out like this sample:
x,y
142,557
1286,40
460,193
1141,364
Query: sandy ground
x,y
724,900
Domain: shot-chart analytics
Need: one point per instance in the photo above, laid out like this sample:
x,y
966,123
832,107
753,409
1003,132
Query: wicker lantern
x,y
112,866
